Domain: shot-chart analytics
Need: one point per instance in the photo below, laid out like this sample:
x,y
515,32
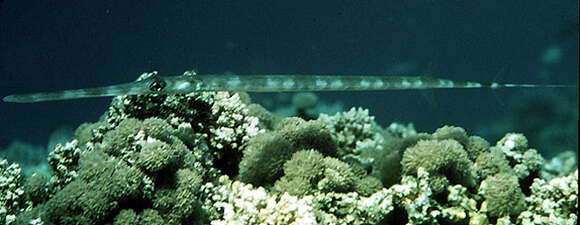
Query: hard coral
x,y
525,162
222,119
233,202
552,202
64,162
144,163
12,200
350,129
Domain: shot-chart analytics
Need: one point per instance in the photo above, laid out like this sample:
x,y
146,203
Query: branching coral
x,y
221,119
351,130
12,199
63,161
553,202
238,203
525,161
233,202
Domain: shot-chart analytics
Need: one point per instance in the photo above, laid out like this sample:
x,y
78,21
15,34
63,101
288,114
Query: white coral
x,y
233,124
553,202
243,204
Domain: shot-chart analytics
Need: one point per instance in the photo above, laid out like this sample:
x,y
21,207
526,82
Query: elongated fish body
x,y
258,83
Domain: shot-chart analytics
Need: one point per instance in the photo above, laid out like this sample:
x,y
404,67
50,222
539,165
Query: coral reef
x,y
12,199
309,171
352,130
216,158
263,159
553,202
503,196
444,160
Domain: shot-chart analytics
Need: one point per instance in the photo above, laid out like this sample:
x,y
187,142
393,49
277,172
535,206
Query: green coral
x,y
126,217
503,195
104,183
265,154
267,119
473,145
178,204
156,155
264,158
36,188
367,185
308,135
309,171
444,159
452,132
338,176
490,163
119,141
301,172
113,177
146,217
386,162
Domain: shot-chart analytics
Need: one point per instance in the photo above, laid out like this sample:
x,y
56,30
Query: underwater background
x,y
54,45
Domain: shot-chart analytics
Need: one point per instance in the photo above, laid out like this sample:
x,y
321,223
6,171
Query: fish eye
x,y
157,85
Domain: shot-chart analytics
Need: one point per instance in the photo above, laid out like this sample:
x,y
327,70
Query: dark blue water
x,y
49,45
